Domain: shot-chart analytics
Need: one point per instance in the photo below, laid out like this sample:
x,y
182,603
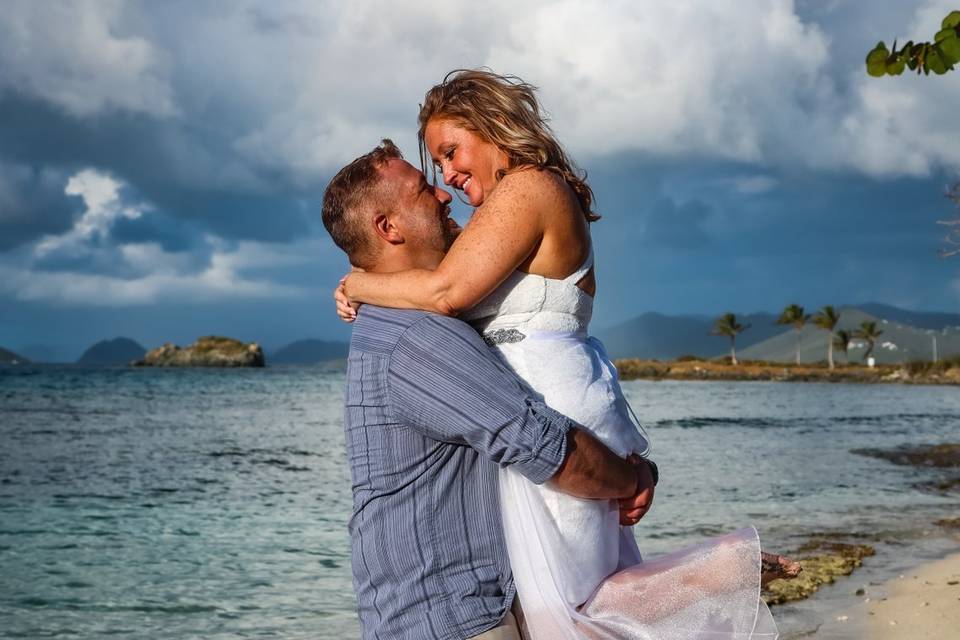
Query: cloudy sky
x,y
162,164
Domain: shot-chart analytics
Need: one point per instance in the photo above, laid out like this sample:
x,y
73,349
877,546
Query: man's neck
x,y
401,260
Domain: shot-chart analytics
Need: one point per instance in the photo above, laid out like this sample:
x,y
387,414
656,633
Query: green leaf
x,y
895,65
952,20
912,63
950,50
943,34
935,61
877,61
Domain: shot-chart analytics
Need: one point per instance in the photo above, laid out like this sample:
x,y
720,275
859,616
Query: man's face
x,y
422,210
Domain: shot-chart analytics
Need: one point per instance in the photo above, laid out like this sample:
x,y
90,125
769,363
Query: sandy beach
x,y
920,604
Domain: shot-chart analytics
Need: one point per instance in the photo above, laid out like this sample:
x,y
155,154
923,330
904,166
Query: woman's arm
x,y
499,237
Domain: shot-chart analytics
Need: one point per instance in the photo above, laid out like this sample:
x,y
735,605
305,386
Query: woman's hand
x,y
346,309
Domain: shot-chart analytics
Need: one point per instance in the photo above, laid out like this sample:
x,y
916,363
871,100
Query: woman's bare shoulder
x,y
531,188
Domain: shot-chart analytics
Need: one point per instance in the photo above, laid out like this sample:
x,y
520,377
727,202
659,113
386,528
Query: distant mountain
x,y
919,319
663,337
107,353
310,351
9,357
900,342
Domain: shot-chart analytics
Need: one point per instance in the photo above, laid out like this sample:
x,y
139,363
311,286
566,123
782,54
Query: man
x,y
430,414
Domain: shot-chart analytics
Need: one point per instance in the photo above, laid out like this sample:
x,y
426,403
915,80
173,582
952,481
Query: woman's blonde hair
x,y
502,110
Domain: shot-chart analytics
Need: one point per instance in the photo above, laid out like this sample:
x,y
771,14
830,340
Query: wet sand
x,y
916,605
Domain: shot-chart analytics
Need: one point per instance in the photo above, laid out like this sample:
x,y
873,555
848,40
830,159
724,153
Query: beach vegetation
x,y
927,368
841,342
727,326
793,315
827,319
869,333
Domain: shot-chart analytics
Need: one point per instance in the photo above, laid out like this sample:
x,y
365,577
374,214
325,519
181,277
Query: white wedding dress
x,y
579,574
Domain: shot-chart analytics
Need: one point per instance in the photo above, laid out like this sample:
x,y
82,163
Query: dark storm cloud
x,y
32,203
189,173
171,234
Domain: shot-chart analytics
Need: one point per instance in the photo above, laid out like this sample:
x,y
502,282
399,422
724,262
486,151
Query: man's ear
x,y
384,227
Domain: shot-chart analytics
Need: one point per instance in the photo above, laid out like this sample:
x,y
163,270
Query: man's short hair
x,y
348,199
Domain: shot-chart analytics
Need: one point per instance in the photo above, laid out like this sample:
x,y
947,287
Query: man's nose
x,y
442,195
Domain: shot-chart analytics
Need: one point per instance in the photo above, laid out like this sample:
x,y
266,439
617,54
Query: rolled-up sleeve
x,y
445,383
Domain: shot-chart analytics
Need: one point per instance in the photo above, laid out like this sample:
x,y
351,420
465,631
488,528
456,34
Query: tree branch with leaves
x,y
938,56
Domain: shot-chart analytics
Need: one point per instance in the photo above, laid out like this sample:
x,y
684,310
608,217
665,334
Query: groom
x,y
430,415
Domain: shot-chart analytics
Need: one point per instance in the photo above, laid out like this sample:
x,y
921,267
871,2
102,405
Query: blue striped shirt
x,y
430,414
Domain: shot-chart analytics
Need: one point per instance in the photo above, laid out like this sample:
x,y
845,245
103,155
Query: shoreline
x,y
717,370
922,602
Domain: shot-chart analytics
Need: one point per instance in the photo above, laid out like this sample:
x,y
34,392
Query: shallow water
x,y
172,503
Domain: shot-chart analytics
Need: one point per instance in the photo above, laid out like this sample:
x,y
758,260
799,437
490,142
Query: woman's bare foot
x,y
776,567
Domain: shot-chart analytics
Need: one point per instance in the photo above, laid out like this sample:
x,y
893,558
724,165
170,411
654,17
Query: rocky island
x,y
208,351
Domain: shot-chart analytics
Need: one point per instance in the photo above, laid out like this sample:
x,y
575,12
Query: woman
x,y
522,273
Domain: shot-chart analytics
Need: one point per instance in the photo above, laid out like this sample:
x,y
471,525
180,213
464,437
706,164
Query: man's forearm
x,y
591,470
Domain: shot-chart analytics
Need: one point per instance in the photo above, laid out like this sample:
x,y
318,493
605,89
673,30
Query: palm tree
x,y
793,314
869,332
727,325
841,342
827,319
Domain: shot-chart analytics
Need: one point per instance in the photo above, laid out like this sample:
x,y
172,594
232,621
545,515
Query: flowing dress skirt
x,y
579,574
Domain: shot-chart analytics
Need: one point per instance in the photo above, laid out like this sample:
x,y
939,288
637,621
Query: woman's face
x,y
468,162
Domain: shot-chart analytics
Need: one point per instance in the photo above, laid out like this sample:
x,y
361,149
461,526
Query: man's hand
x,y
632,509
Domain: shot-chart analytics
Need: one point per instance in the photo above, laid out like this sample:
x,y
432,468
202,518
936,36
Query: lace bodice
x,y
526,301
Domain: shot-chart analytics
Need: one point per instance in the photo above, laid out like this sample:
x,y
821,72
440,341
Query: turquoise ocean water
x,y
197,503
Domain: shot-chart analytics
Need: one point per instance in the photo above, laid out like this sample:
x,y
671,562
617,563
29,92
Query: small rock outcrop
x,y
937,455
823,561
208,351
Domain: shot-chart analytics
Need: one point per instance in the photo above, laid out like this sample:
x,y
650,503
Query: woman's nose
x,y
448,175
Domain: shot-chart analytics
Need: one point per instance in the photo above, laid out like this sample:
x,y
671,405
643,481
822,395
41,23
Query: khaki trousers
x,y
506,630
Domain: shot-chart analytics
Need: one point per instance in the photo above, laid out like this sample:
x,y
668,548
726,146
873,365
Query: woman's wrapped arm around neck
x,y
500,237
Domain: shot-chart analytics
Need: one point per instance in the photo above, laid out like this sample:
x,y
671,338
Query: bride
x,y
522,274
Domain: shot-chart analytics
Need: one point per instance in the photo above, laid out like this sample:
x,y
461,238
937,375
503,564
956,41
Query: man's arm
x,y
591,470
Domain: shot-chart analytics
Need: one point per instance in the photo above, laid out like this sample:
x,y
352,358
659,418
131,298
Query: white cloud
x,y
747,81
217,283
300,87
73,54
101,195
